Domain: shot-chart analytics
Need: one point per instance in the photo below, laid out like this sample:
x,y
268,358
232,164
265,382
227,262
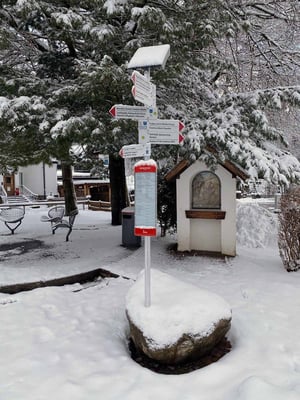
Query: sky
x,y
71,342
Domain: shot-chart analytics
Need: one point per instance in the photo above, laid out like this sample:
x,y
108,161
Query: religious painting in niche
x,y
206,191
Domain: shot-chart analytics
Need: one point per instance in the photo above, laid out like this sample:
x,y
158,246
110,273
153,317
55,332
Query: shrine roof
x,y
184,164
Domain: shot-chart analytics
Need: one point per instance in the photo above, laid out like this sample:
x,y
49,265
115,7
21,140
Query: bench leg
x,y
53,228
13,229
68,234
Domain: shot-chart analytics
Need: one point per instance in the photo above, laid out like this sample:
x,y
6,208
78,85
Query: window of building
x,y
206,191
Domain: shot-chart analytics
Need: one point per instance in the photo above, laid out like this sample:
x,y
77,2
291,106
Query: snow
x,y
145,163
101,31
258,389
4,102
67,19
137,11
150,56
113,6
71,342
26,4
177,308
260,237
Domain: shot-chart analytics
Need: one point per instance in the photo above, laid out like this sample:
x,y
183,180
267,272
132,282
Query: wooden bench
x,y
99,205
12,217
66,223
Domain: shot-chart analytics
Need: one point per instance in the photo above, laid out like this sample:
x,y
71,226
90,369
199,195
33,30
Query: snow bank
x,y
256,226
177,308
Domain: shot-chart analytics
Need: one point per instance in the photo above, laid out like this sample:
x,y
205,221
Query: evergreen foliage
x,y
63,65
166,200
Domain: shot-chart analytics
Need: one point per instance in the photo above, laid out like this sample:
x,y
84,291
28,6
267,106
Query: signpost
x,y
143,90
160,131
121,111
151,130
136,150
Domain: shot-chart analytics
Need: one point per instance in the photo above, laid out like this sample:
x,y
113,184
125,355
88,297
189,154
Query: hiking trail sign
x,y
135,150
143,90
121,111
160,131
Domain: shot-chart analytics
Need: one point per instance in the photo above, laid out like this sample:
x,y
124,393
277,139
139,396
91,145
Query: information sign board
x,y
145,194
160,131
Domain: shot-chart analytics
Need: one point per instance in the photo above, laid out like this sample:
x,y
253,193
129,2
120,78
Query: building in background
x,y
86,186
39,180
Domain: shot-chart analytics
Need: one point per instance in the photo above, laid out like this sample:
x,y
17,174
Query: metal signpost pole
x,y
147,271
148,238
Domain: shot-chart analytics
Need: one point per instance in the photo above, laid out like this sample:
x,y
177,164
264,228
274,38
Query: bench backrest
x,y
12,214
56,212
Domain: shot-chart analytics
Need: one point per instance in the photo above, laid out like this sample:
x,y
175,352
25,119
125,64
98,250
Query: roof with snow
x,y
235,170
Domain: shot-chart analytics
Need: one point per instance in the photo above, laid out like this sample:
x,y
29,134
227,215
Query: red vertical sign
x,y
145,194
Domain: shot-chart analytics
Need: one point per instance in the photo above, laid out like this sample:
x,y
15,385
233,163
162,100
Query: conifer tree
x,y
63,65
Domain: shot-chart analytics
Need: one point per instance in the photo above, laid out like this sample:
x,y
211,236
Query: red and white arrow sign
x,y
143,90
121,111
135,150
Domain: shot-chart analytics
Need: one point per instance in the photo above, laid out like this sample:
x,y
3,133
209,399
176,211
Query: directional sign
x,y
161,131
121,111
135,150
143,90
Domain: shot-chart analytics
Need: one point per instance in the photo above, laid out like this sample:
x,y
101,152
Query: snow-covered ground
x,y
71,342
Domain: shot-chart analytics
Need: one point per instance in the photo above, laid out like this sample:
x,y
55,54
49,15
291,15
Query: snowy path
x,y
67,344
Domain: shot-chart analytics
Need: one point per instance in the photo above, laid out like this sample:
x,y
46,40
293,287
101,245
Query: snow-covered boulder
x,y
183,322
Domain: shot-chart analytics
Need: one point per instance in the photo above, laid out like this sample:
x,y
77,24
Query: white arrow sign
x,y
143,90
135,150
121,111
161,131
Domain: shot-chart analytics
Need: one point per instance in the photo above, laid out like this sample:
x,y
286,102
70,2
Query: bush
x,y
289,230
166,201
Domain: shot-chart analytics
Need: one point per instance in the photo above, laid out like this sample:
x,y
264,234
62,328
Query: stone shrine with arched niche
x,y
206,206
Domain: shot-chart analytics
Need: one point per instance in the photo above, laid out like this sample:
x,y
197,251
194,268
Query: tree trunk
x,y
119,198
69,190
